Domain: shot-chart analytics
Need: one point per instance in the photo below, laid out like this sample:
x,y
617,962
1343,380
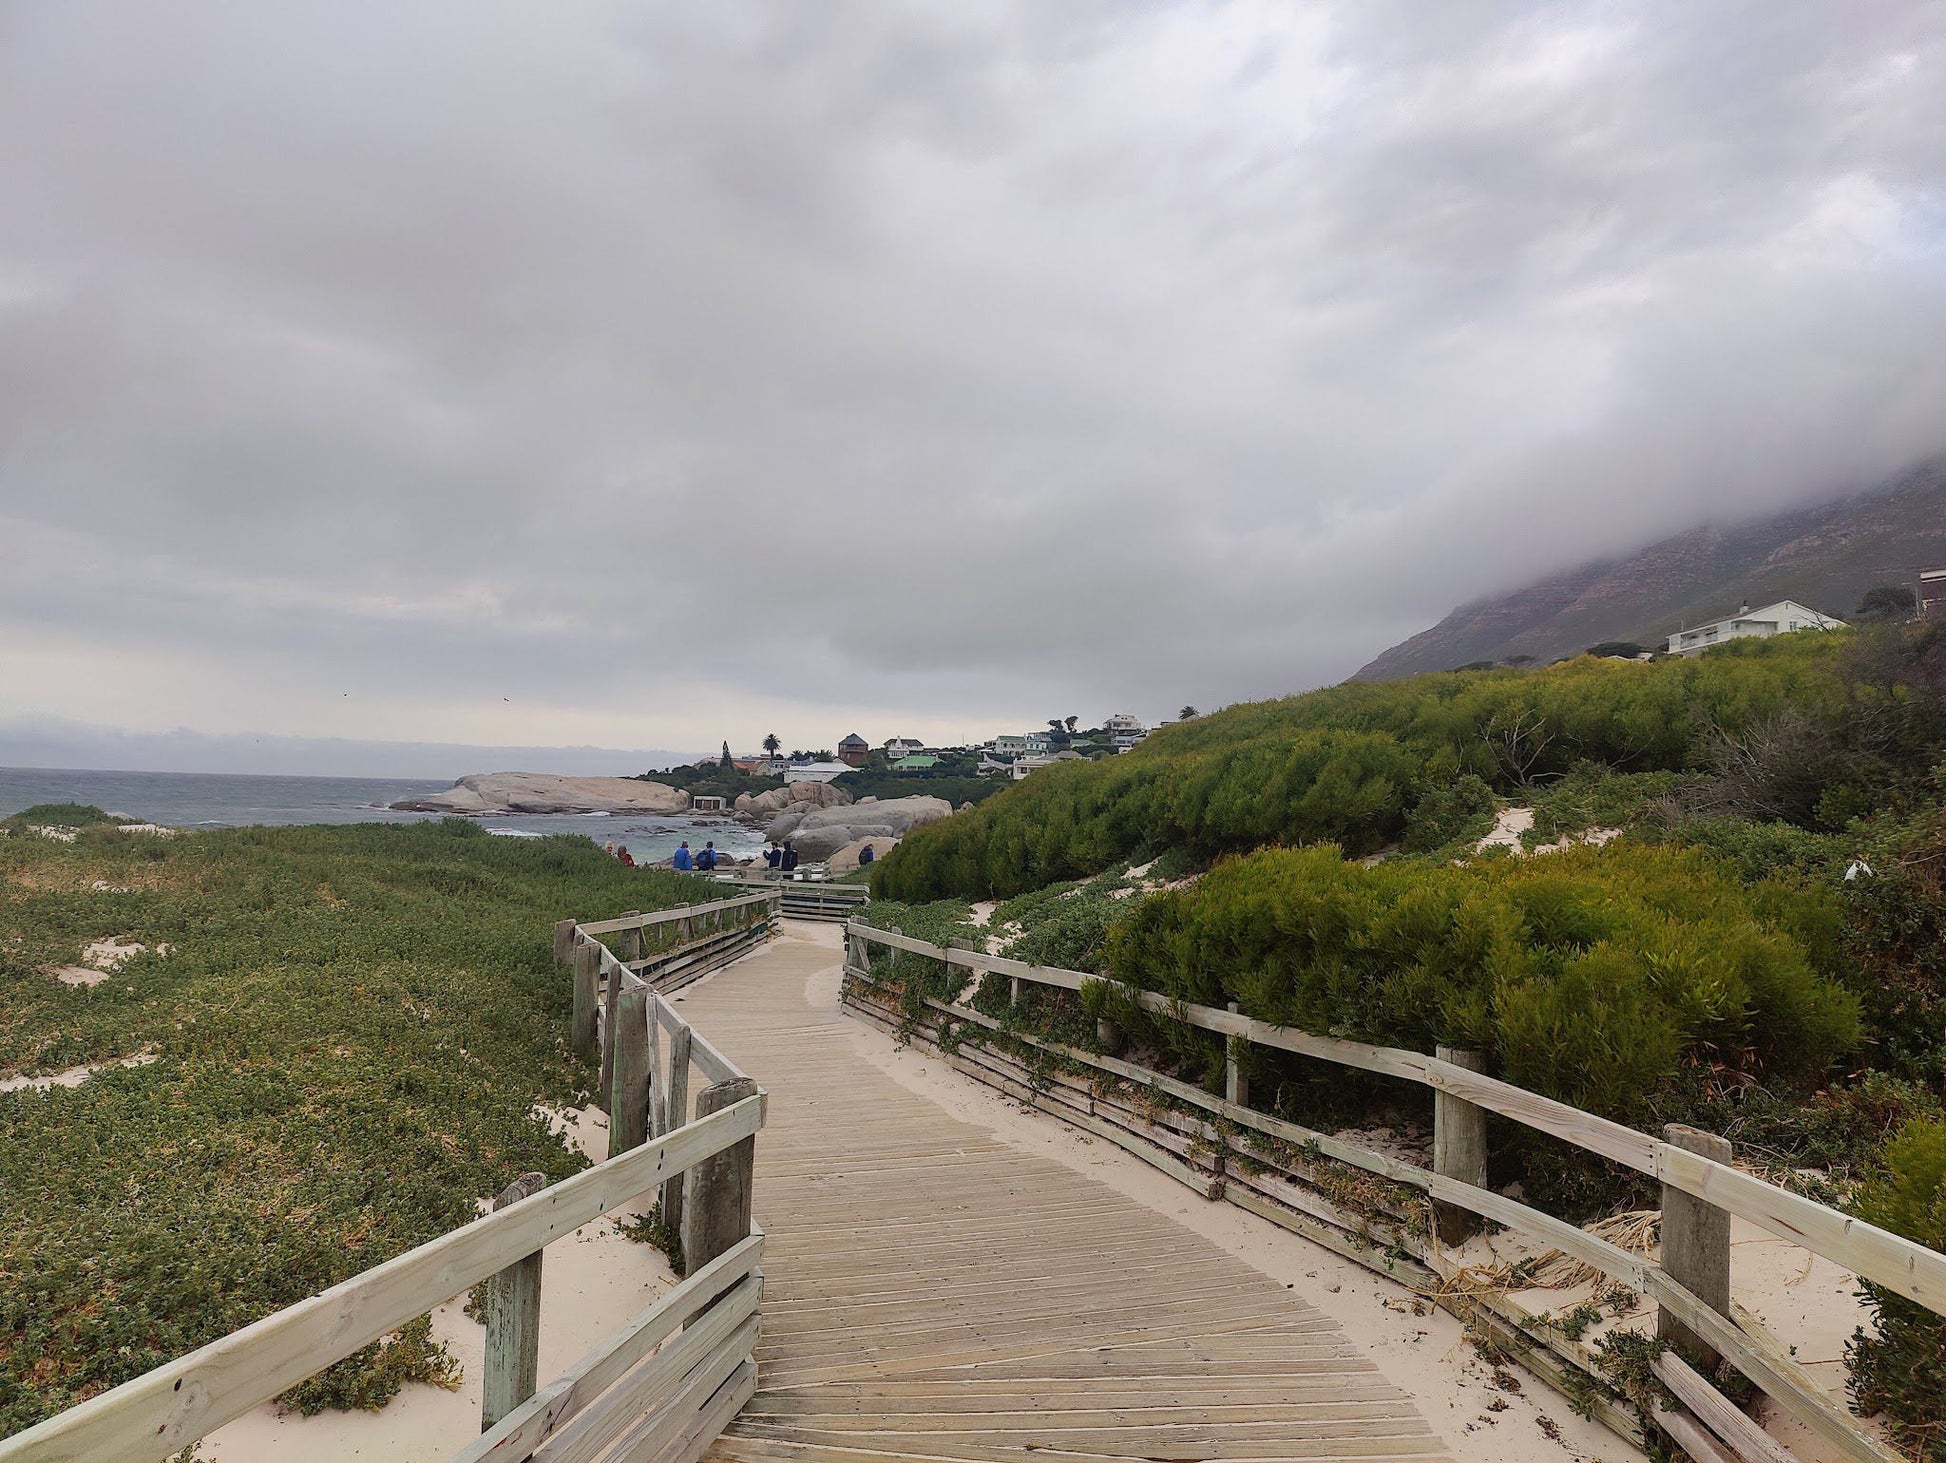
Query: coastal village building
x,y
1121,724
1026,765
917,762
853,750
708,803
1932,594
1008,746
1781,618
815,771
897,747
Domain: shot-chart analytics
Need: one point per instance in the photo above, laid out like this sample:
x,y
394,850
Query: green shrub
x,y
1460,812
1591,975
1896,1373
1066,925
61,815
373,1375
1895,935
1352,764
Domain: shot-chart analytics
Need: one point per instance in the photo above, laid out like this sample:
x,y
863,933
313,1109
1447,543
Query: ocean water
x,y
224,800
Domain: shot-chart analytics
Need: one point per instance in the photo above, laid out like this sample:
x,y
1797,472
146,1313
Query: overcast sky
x,y
644,375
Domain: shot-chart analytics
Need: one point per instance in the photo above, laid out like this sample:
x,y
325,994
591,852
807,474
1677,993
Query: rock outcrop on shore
x,y
761,807
821,832
543,792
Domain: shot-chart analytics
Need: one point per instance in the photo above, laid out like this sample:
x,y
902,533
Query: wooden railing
x,y
806,898
663,1386
1188,1132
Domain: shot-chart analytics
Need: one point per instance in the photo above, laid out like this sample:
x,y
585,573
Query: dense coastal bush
x,y
1354,764
351,1028
1594,976
1896,1370
884,783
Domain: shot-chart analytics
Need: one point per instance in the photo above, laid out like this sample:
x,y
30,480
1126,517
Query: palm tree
x,y
1188,713
771,744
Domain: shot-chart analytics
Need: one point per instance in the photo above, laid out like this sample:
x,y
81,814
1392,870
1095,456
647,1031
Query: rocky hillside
x,y
1826,557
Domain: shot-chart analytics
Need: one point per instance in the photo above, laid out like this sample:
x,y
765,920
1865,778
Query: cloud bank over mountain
x,y
501,374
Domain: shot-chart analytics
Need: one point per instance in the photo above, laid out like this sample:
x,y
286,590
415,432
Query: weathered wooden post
x,y
716,1200
1695,1245
587,987
513,1321
628,1097
563,941
675,1098
1236,1085
611,972
632,940
1459,1146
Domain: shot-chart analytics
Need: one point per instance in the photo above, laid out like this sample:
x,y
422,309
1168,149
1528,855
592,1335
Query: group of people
x,y
779,859
701,862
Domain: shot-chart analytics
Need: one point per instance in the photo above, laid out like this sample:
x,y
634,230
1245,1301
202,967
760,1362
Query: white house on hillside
x,y
815,771
1122,724
897,747
1778,619
1026,765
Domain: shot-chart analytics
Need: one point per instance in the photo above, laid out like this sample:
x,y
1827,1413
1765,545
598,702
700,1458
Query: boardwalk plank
x,y
933,1294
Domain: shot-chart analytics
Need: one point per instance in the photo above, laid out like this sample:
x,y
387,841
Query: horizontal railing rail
x,y
1887,1259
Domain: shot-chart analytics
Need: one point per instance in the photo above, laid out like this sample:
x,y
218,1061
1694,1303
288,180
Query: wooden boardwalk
x,y
932,1292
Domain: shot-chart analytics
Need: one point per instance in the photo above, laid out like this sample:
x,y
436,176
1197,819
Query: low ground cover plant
x,y
350,1031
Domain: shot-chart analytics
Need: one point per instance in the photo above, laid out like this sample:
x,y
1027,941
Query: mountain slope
x,y
1825,557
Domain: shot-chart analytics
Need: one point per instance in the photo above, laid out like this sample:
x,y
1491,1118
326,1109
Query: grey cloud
x,y
1003,354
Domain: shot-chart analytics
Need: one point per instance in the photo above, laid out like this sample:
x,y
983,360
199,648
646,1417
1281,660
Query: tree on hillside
x,y
724,761
1071,721
1617,649
1887,602
1517,660
1188,713
771,744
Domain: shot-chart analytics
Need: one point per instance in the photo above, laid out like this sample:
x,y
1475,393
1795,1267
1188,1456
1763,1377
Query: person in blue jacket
x,y
684,860
707,858
773,855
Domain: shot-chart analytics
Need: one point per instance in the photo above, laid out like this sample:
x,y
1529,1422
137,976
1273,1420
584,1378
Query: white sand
x,y
1507,828
1423,1354
73,1076
101,959
1511,823
593,1282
